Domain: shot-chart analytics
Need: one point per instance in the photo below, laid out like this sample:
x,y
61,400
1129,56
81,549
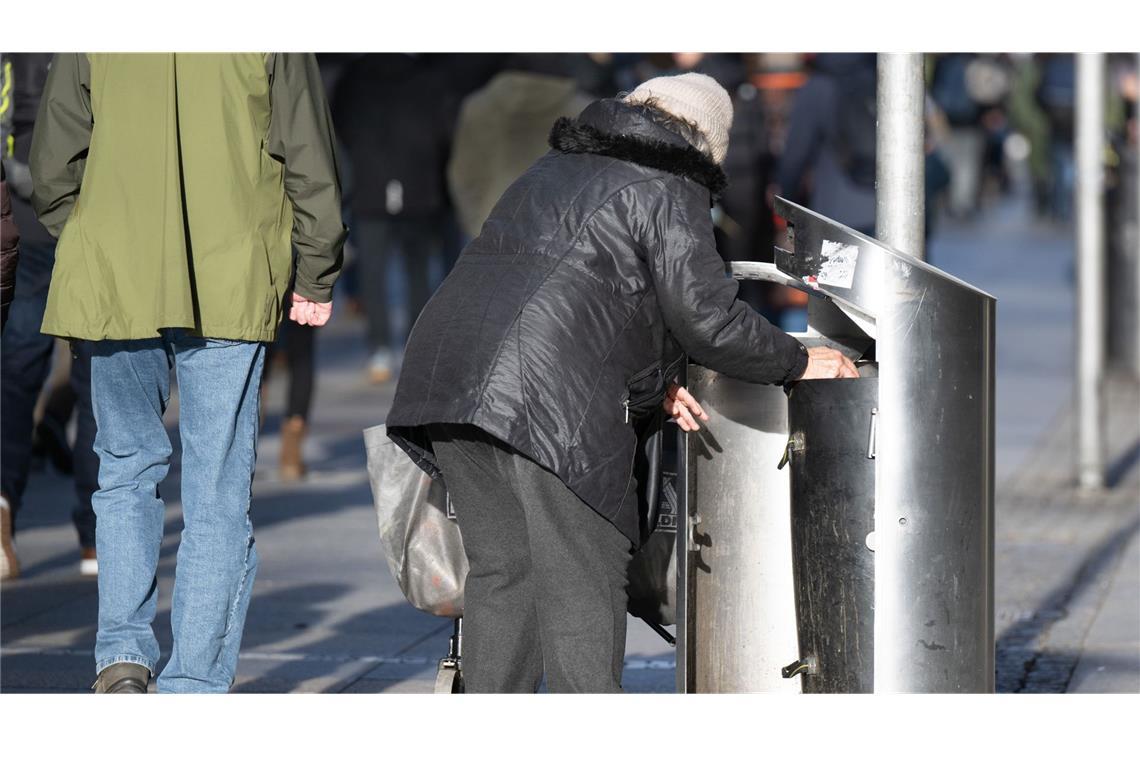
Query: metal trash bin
x,y
927,599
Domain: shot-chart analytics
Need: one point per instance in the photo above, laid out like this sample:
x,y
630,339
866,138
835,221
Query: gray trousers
x,y
546,590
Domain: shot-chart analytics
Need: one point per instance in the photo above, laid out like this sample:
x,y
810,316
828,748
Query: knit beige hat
x,y
696,98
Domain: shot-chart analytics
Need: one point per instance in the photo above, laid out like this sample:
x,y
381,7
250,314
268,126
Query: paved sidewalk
x,y
1067,565
1067,575
327,617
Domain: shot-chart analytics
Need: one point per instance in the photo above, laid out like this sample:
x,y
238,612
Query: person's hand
x,y
682,407
306,312
826,363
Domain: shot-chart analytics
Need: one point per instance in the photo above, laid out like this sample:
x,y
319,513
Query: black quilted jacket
x,y
566,317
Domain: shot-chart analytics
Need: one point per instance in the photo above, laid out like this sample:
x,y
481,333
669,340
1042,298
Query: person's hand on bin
x,y
826,363
823,364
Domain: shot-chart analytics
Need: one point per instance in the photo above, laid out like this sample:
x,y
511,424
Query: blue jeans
x,y
218,390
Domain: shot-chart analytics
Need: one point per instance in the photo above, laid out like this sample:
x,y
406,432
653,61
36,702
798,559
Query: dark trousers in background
x,y
546,590
25,359
415,241
296,343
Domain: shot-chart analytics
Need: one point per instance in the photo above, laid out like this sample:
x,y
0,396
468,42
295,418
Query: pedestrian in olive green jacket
x,y
177,185
190,196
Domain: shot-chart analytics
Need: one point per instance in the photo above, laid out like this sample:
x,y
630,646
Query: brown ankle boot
x,y
9,564
292,436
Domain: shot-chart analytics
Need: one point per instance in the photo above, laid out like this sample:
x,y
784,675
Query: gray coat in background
x,y
502,130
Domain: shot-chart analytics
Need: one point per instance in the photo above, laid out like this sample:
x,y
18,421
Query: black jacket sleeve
x,y
698,300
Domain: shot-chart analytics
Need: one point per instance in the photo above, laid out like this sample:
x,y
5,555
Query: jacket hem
x,y
80,332
413,439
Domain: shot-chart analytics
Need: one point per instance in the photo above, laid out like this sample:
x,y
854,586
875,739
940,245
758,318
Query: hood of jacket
x,y
616,129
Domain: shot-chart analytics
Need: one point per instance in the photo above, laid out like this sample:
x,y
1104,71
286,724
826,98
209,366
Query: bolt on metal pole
x,y
900,164
1090,269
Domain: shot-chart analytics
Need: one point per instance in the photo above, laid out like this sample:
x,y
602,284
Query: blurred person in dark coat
x,y
9,250
26,353
828,162
392,114
9,260
1057,96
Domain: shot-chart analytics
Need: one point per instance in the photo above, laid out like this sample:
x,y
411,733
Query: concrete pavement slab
x,y
1109,661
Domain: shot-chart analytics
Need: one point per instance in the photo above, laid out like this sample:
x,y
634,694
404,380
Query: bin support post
x,y
1090,268
900,165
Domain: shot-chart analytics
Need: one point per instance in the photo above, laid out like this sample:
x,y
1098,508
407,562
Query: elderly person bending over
x,y
561,329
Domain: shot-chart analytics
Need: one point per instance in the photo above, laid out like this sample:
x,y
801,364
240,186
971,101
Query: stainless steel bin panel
x,y
934,496
934,575
741,610
833,517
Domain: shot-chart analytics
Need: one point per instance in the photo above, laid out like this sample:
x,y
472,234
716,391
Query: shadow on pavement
x,y
1017,650
1120,469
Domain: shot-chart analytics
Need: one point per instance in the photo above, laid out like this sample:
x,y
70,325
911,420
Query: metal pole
x,y
1090,268
900,165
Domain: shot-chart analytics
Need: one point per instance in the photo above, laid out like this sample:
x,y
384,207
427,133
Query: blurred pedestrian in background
x,y
828,162
1057,96
393,115
25,352
9,260
551,350
936,172
295,349
294,352
1028,120
176,183
964,144
504,127
9,252
990,80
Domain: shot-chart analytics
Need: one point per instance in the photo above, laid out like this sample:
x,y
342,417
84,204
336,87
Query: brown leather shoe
x,y
122,678
292,436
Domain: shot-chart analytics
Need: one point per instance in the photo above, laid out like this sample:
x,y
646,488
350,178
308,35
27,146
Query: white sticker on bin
x,y
838,267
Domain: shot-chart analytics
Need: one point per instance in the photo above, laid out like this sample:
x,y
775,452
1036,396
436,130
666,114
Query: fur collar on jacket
x,y
573,136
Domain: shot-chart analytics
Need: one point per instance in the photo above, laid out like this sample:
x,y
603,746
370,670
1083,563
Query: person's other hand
x,y
682,407
826,363
306,312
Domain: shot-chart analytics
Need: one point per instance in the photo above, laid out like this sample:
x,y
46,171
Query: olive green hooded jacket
x,y
177,184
